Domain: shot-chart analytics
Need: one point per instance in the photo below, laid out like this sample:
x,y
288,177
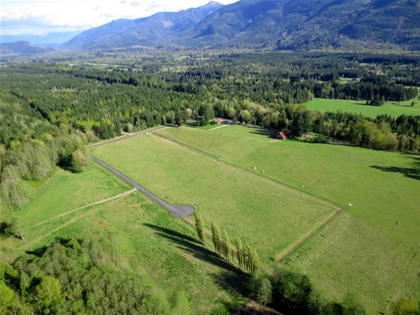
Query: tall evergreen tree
x,y
240,255
216,237
228,252
199,225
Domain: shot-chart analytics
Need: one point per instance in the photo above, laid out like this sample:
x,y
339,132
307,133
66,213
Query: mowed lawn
x,y
394,109
152,242
362,250
262,212
66,191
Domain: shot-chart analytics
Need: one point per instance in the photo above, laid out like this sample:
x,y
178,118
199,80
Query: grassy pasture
x,y
394,109
66,191
352,255
361,250
152,242
235,199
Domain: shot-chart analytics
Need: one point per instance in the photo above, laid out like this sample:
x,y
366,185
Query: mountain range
x,y
140,32
267,24
309,24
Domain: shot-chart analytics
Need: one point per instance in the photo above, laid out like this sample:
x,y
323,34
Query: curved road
x,y
180,211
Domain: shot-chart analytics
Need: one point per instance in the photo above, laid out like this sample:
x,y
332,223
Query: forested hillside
x,y
297,25
143,31
309,25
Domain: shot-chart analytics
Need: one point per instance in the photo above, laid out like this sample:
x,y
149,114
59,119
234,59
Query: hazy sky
x,y
41,17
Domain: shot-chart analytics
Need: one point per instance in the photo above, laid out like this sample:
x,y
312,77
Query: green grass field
x,y
394,109
235,199
362,250
66,191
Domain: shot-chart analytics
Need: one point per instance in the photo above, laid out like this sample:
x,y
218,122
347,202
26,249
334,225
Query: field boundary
x,y
127,136
86,206
305,237
218,127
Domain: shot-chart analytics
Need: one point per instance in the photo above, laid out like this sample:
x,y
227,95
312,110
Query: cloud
x,y
39,17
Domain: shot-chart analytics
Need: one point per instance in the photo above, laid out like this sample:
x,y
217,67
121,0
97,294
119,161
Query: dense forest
x,y
51,110
80,277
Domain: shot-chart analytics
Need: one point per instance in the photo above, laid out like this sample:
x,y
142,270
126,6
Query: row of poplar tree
x,y
246,256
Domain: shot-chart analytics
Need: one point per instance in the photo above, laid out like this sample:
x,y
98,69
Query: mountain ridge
x,y
296,25
308,24
143,31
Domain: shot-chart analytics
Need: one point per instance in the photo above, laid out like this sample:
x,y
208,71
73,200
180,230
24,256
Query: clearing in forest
x,y
394,109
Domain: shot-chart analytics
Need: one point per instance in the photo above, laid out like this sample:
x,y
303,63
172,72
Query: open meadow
x,y
362,250
394,109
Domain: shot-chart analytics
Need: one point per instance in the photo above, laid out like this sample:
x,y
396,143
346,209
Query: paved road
x,y
180,211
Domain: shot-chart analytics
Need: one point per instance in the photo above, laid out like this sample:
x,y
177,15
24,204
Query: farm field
x,y
224,194
394,109
57,195
363,249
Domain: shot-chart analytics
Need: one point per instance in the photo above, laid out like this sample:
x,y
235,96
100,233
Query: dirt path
x,y
50,232
218,127
177,211
83,207
305,237
127,136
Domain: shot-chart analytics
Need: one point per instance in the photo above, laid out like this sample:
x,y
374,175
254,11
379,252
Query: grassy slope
x,y
236,200
394,109
66,191
362,250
